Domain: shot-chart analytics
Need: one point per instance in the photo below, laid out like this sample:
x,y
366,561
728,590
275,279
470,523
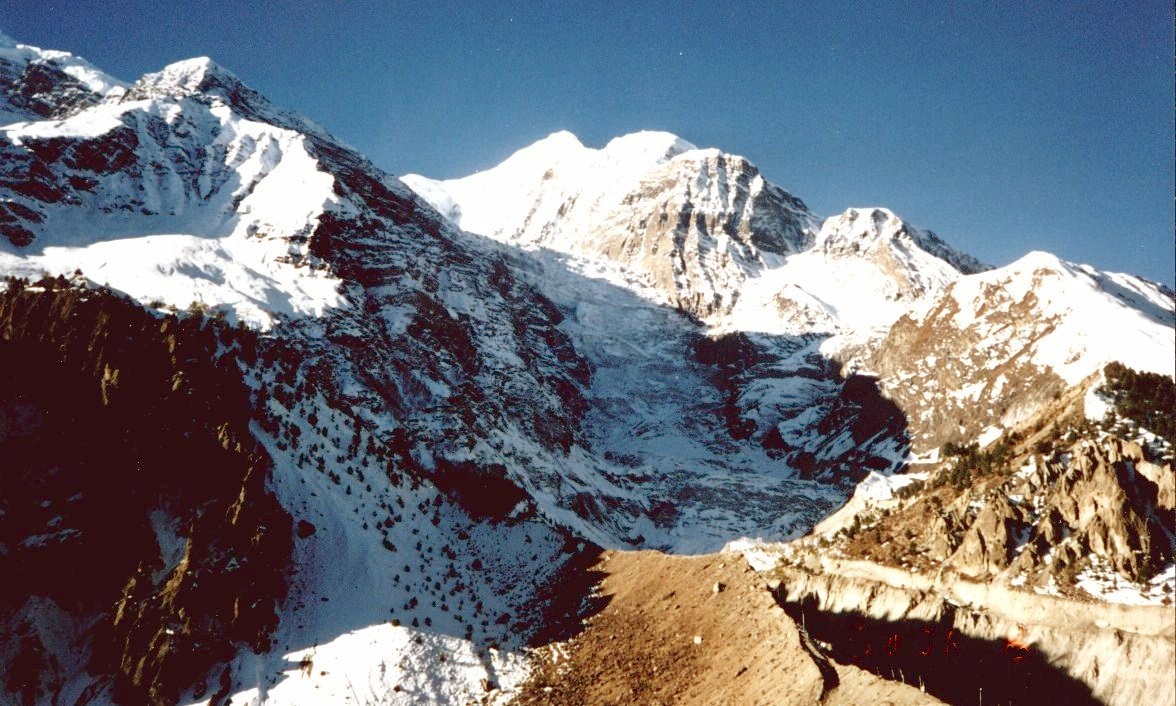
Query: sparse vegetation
x,y
971,462
1147,399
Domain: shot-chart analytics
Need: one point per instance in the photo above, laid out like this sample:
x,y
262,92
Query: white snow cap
x,y
96,80
869,224
647,146
190,76
559,140
502,200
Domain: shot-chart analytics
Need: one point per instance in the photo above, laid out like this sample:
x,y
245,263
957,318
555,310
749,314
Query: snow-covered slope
x,y
38,83
696,222
706,232
409,355
866,268
174,195
1095,316
520,198
997,345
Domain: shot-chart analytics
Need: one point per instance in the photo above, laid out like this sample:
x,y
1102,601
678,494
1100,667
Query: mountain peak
x,y
1039,260
203,79
560,138
556,147
198,75
866,229
18,58
869,223
647,146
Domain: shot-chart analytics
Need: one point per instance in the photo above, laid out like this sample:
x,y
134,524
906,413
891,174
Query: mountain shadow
x,y
131,490
937,657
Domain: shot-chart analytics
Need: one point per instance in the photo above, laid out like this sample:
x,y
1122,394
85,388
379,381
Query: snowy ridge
x,y
518,200
996,346
696,222
198,75
36,83
90,76
866,268
186,188
190,203
868,230
1097,316
711,234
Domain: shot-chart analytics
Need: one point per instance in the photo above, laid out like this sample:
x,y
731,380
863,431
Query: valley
x,y
617,425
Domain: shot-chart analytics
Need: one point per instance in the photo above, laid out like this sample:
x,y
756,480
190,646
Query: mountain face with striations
x,y
307,428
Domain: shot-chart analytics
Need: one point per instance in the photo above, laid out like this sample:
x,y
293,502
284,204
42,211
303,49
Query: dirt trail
x,y
695,630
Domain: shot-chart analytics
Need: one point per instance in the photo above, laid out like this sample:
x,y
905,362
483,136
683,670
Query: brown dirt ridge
x,y
695,630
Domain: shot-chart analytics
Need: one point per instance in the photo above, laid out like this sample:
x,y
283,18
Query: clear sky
x,y
1004,126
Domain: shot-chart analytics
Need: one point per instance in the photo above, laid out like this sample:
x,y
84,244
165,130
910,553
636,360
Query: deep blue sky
x,y
1004,126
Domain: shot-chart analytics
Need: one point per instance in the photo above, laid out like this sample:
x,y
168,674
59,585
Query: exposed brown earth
x,y
695,630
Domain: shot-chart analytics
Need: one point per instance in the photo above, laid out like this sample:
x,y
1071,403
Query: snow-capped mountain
x,y
395,345
995,347
445,399
703,231
866,267
847,282
696,223
37,83
193,182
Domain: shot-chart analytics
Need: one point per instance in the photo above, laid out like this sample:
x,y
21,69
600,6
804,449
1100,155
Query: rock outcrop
x,y
959,638
135,499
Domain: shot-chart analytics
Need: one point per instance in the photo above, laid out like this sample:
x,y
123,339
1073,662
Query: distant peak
x,y
21,55
862,224
199,75
1040,260
873,214
861,229
561,137
647,145
196,65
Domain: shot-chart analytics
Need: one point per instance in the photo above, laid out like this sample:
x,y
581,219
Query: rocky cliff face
x,y
700,225
1069,520
135,503
1053,546
1056,507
